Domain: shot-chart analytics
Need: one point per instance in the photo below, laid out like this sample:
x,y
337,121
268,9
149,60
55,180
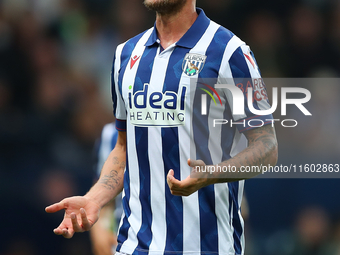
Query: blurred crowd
x,y
55,63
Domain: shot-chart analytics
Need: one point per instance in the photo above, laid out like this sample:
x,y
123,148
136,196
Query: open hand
x,y
189,185
80,215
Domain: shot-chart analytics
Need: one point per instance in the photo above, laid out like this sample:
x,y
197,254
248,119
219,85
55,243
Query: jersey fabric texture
x,y
152,101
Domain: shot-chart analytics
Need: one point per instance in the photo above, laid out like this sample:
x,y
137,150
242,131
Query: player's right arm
x,y
110,182
81,212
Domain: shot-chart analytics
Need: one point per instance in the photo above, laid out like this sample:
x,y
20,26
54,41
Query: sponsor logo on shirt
x,y
165,109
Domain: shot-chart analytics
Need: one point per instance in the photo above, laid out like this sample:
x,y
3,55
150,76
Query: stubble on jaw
x,y
165,6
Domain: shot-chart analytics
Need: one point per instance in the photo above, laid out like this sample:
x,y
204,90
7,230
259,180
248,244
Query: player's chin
x,y
165,6
150,2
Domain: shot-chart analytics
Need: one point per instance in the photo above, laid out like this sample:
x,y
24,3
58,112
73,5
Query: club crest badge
x,y
193,63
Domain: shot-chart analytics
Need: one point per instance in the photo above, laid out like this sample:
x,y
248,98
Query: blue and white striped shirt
x,y
154,91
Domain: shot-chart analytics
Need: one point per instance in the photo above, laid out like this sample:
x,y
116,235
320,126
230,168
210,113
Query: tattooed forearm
x,y
262,150
111,181
263,144
121,164
115,160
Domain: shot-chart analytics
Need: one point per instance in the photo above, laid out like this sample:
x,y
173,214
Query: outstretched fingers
x,y
73,224
85,222
83,225
64,231
55,207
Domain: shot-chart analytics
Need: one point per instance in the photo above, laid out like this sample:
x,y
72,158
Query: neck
x,y
171,27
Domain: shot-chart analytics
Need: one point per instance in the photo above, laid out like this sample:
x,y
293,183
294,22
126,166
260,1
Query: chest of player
x,y
158,87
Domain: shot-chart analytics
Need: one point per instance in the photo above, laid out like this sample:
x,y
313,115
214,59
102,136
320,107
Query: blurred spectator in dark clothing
x,y
308,48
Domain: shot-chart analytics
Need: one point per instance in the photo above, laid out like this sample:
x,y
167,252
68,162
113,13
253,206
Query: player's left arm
x,y
262,150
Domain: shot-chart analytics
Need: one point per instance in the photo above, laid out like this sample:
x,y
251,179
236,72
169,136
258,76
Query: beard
x,y
165,6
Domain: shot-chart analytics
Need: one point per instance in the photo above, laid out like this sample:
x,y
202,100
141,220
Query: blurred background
x,y
55,62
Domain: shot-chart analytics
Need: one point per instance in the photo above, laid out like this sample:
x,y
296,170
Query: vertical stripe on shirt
x,y
135,218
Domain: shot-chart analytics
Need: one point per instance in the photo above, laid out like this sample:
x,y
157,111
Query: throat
x,y
171,28
166,45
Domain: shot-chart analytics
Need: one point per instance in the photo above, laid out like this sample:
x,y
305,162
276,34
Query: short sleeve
x,y
243,72
119,110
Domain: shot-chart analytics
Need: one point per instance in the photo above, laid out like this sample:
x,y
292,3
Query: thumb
x,y
171,174
55,207
171,179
